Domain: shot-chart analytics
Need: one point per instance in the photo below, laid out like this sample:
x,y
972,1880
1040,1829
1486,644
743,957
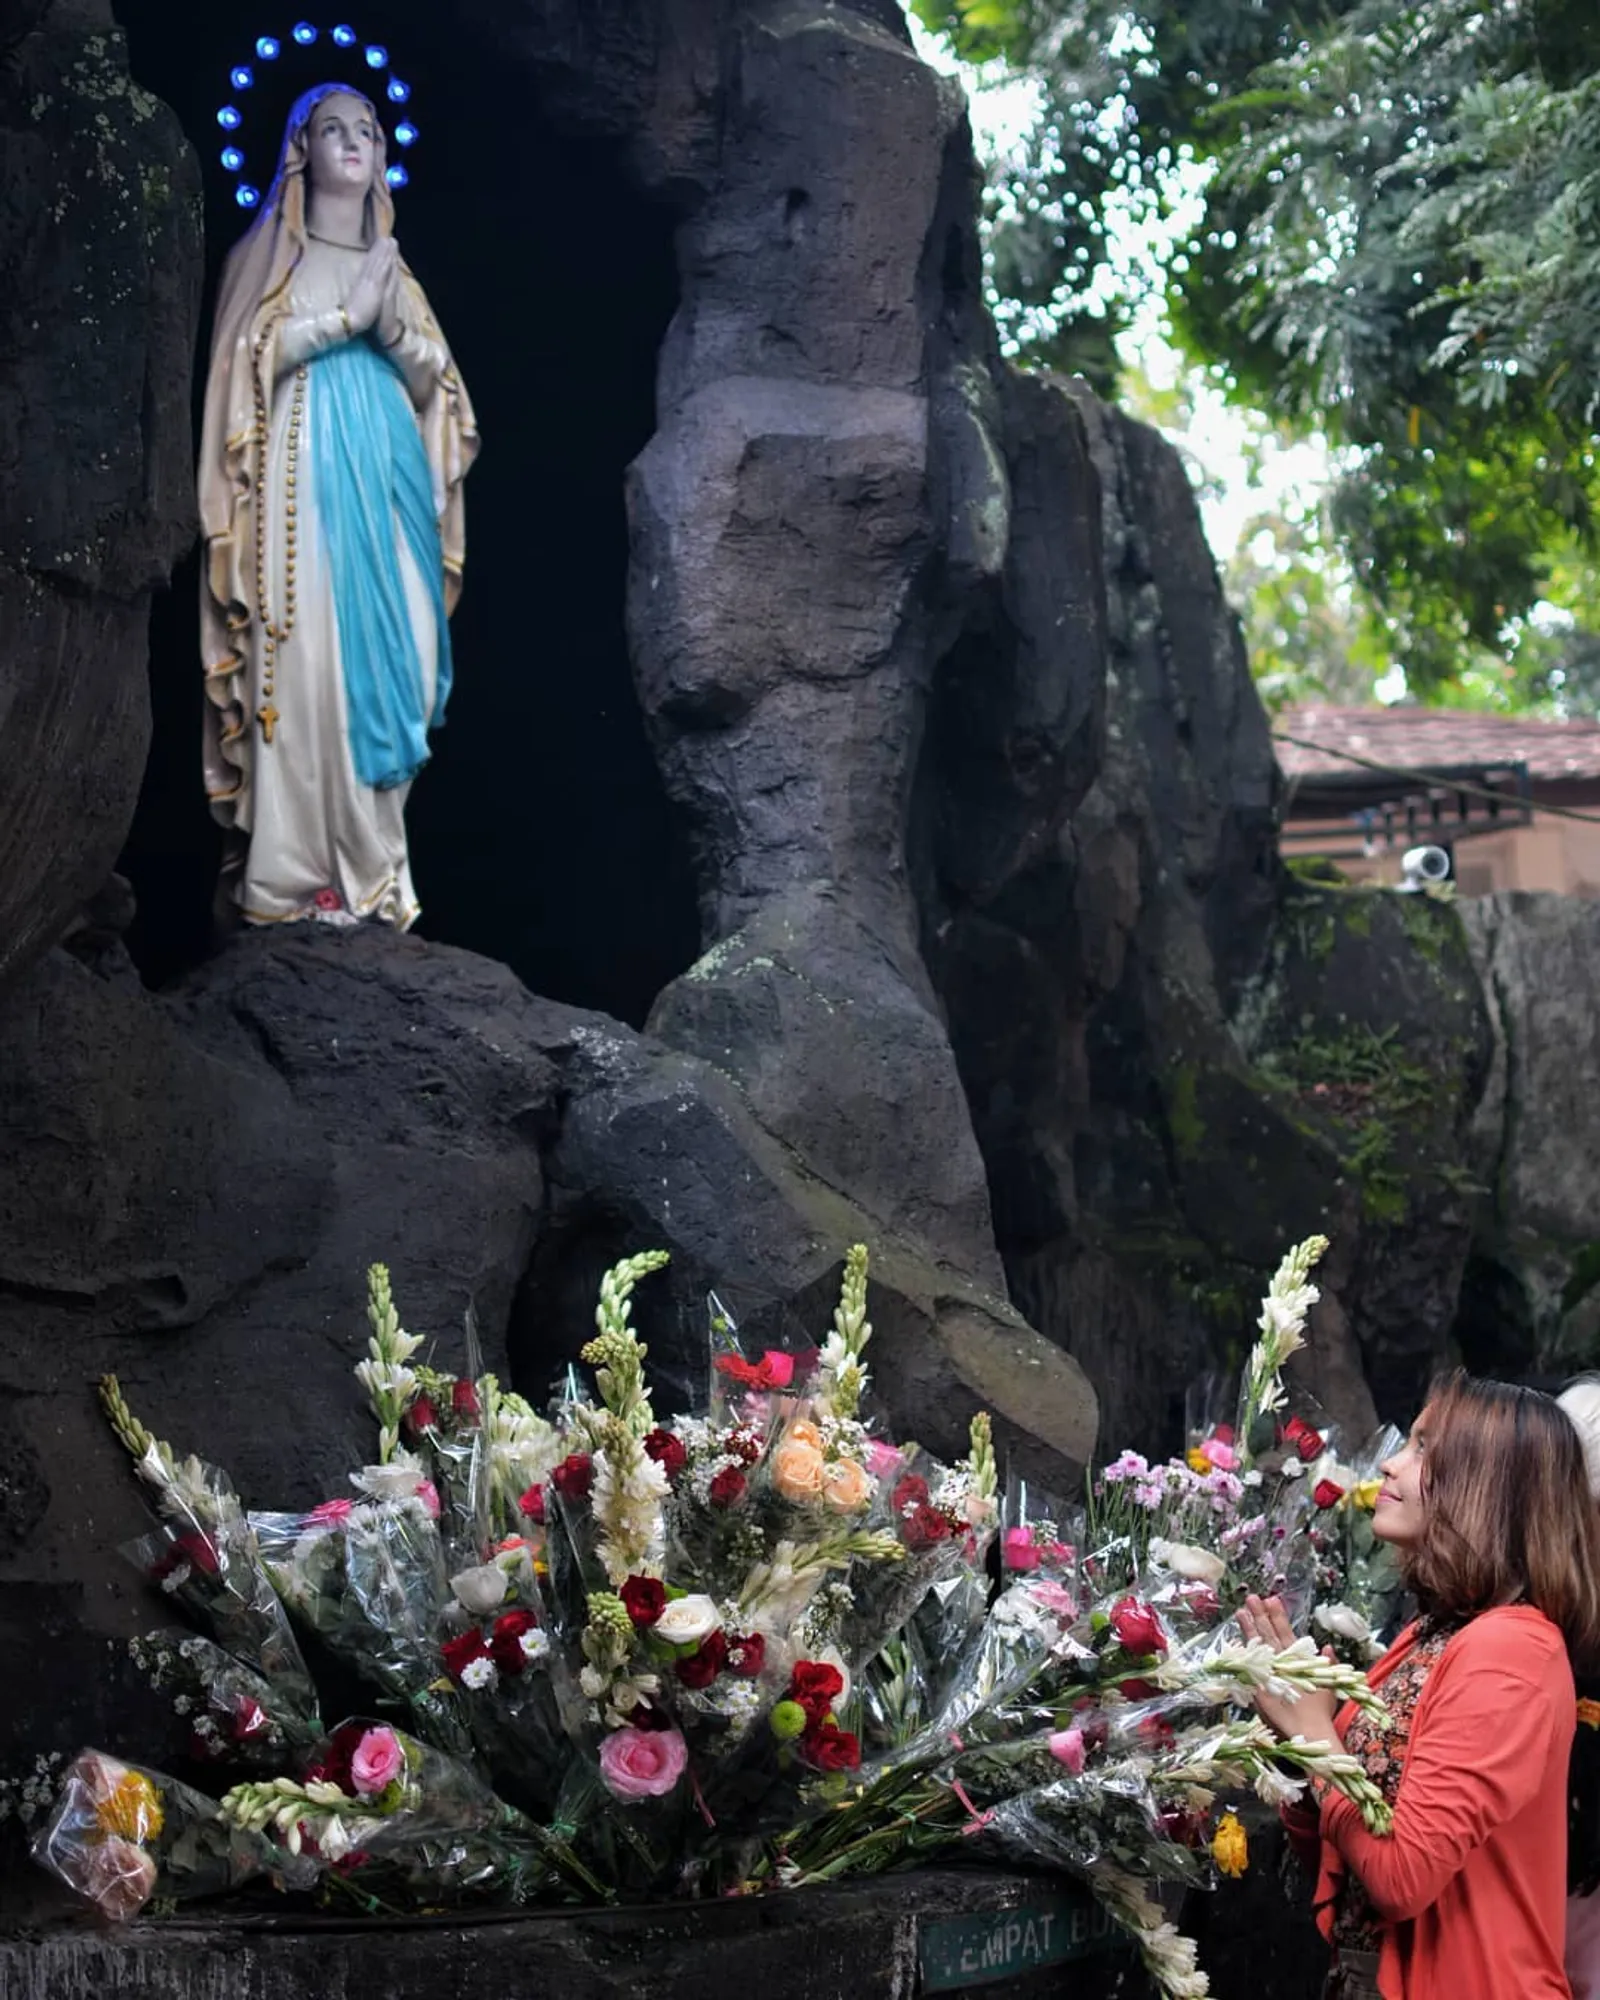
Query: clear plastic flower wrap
x,y
120,1834
235,1714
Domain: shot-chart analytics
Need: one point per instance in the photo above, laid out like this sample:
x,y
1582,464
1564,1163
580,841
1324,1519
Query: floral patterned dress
x,y
1380,1746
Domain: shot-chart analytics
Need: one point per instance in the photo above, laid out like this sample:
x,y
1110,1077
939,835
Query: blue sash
x,y
370,475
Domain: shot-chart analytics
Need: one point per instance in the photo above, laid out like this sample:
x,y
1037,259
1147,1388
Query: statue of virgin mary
x,y
337,435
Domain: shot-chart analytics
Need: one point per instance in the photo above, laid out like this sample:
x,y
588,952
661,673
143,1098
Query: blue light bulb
x,y
229,119
304,33
405,133
267,48
398,91
345,37
245,195
232,159
242,78
376,56
397,176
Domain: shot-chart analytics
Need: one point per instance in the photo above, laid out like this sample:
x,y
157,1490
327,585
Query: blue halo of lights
x,y
305,35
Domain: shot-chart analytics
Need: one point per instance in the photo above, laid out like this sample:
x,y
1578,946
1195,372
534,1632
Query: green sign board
x,y
991,1945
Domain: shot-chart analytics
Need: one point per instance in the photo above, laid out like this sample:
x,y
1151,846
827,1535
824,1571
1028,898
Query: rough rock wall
x,y
99,244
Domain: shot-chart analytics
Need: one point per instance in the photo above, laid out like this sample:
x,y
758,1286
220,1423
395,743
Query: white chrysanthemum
x,y
479,1674
535,1643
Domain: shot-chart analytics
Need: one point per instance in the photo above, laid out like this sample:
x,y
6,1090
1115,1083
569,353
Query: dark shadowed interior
x,y
540,834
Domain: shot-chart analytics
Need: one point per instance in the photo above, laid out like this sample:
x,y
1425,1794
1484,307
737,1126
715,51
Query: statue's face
x,y
342,145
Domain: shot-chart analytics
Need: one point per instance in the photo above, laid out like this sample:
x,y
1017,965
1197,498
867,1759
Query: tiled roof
x,y
1405,738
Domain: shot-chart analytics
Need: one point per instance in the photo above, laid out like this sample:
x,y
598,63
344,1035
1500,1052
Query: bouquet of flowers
x,y
744,1648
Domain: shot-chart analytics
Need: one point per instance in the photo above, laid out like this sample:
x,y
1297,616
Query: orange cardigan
x,y
1472,1880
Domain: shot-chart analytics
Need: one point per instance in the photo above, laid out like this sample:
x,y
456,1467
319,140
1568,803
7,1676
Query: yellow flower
x,y
1364,1495
131,1809
1230,1849
1589,1712
1198,1462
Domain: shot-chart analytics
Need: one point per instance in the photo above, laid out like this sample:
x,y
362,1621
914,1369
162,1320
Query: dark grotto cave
x,y
540,833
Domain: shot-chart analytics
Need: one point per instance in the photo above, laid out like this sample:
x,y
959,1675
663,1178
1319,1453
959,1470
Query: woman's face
x,y
1398,1516
342,144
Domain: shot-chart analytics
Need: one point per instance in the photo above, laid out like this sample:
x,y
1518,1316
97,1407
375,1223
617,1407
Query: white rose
x,y
480,1590
686,1621
1343,1621
1294,1468
1184,1559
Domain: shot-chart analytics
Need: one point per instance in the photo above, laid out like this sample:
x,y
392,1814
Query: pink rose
x,y
377,1762
331,1514
642,1763
1221,1454
428,1494
1018,1549
1054,1597
1066,1746
882,1459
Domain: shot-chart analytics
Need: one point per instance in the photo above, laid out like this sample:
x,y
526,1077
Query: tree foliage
x,y
1400,247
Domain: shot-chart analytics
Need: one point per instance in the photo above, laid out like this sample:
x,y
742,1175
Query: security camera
x,y
1421,867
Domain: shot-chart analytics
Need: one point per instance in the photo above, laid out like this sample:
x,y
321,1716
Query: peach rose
x,y
846,1487
797,1469
806,1432
117,1877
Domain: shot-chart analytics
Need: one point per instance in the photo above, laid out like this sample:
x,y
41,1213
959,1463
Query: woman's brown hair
x,y
1507,1517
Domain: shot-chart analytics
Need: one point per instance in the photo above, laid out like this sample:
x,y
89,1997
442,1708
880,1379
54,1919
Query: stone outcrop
x,y
99,243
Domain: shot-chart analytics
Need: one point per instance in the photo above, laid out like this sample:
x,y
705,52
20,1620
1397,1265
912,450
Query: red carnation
x,y
703,1665
830,1748
505,1641
532,1504
1137,1690
668,1450
728,1488
202,1552
644,1598
574,1476
775,1370
1327,1493
816,1686
460,1652
747,1655
422,1416
1136,1627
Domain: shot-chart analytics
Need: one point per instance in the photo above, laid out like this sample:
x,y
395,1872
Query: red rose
x,y
728,1488
703,1665
1308,1443
668,1450
202,1552
1155,1732
532,1504
816,1686
644,1598
460,1652
830,1748
926,1526
333,1767
422,1416
464,1398
505,1641
1137,1690
1327,1493
747,1655
574,1476
1136,1627
1223,1433
647,1717
249,1719
910,1494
